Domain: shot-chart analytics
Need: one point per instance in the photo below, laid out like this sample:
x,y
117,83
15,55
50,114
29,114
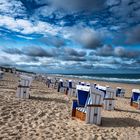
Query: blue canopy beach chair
x,y
91,101
135,98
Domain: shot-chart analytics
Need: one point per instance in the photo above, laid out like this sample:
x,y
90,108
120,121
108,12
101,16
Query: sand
x,y
47,115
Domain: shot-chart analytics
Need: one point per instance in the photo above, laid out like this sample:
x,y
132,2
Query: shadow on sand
x,y
47,99
120,122
122,110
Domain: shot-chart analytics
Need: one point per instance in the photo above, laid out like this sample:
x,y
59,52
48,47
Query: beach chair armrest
x,y
109,99
94,105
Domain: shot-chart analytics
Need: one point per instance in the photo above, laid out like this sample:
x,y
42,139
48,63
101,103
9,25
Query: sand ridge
x,y
47,115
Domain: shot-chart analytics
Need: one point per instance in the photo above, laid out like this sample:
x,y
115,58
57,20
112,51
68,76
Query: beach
x,y
47,115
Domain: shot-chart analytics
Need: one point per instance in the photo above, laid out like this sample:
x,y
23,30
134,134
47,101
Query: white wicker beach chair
x,y
23,87
109,100
72,88
94,106
120,92
1,75
63,86
91,112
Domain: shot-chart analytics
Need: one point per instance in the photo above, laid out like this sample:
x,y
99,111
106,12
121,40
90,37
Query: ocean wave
x,y
107,79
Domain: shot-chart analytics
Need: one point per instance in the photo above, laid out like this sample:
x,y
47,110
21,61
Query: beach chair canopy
x,y
70,84
135,94
82,94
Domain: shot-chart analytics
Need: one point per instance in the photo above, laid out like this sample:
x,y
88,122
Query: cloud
x,y
6,61
73,58
12,8
25,26
106,50
133,36
29,59
61,8
88,38
80,5
12,51
122,52
73,52
53,41
70,34
33,51
131,12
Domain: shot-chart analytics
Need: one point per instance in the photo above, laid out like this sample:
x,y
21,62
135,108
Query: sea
x,y
120,78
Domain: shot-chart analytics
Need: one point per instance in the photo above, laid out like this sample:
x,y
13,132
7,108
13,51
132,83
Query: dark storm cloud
x,y
73,58
108,50
122,52
32,51
37,52
88,38
73,52
133,36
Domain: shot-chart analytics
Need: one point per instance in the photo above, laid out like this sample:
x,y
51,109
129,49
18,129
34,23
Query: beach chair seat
x,y
135,98
109,100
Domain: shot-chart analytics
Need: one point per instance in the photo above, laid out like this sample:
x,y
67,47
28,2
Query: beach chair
x,y
94,106
23,87
135,98
90,111
72,88
63,86
55,83
82,96
1,75
109,100
48,82
88,84
52,82
101,88
82,83
120,92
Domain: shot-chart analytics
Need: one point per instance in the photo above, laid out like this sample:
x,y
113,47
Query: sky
x,y
70,36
